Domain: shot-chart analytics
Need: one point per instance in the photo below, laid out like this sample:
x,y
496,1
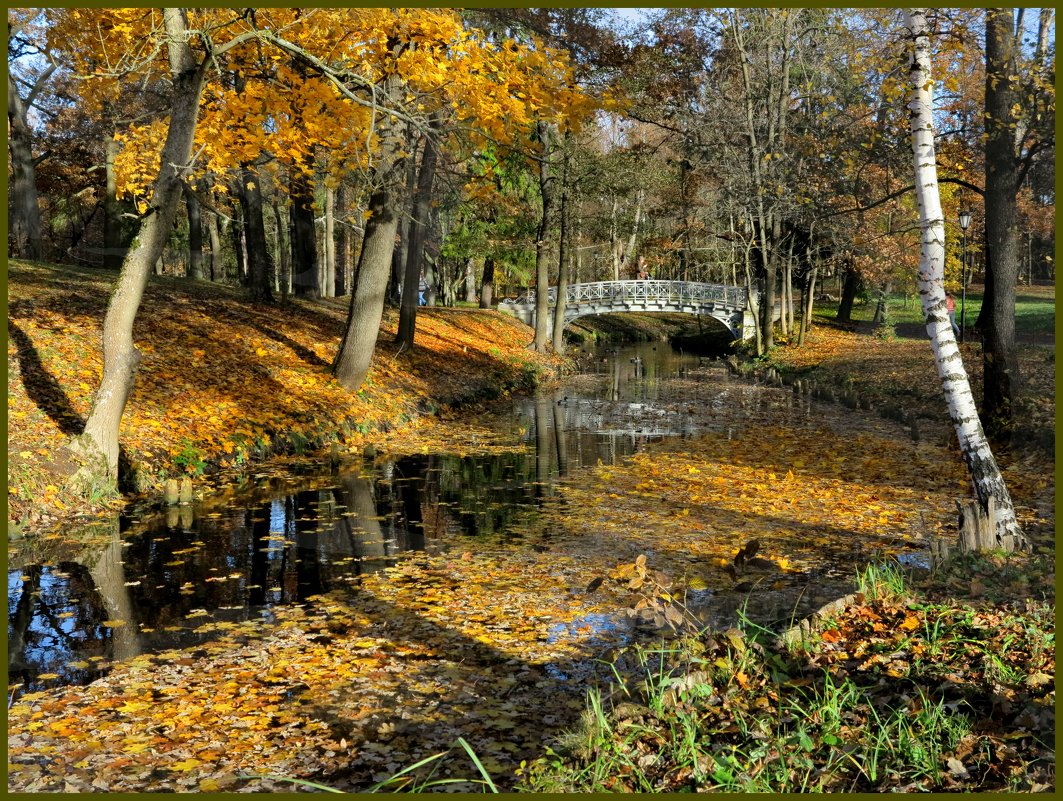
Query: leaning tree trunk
x,y
97,447
374,262
542,269
985,474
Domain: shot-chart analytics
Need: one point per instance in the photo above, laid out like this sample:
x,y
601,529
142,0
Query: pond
x,y
148,582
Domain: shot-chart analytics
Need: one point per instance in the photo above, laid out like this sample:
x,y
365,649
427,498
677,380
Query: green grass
x,y
1035,309
890,709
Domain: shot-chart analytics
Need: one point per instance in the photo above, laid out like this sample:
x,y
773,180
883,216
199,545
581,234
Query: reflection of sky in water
x,y
58,631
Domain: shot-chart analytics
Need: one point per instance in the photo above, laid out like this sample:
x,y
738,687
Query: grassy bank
x,y
918,681
907,687
224,382
894,367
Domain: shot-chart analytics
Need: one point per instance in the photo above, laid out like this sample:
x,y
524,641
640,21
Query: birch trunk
x,y
985,474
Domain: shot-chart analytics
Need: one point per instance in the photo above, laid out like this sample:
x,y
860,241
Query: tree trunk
x,y
305,282
1003,175
470,277
328,288
285,278
615,247
751,299
487,285
402,245
374,262
631,252
217,266
562,248
343,248
195,235
113,250
25,222
422,208
542,267
850,287
237,231
98,445
257,250
985,474
806,310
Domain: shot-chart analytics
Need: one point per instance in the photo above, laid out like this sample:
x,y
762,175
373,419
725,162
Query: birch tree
x,y
985,474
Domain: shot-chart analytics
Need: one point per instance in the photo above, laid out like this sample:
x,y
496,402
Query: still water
x,y
290,534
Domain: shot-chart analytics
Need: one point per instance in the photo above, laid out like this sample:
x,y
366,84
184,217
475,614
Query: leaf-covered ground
x,y
909,687
497,642
222,381
899,370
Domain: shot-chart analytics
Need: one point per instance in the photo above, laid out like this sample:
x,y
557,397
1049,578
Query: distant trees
x,y
524,147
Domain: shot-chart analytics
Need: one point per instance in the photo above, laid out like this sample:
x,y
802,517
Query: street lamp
x,y
965,220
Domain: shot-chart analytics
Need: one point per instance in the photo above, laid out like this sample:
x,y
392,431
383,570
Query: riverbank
x,y
225,383
922,680
496,637
894,373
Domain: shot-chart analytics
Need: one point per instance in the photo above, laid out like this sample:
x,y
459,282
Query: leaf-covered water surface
x,y
495,638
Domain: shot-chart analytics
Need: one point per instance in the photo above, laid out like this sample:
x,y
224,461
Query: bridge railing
x,y
664,292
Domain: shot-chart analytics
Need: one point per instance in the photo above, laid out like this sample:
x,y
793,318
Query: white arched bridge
x,y
724,303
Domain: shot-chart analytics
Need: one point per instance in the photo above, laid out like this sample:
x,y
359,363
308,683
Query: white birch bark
x,y
985,474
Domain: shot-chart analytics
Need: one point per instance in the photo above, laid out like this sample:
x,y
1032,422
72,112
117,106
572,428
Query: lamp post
x,y
965,220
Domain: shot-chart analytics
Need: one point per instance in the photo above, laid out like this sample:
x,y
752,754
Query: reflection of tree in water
x,y
57,615
183,568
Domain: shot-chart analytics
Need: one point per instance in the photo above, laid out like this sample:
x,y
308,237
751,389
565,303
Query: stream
x,y
290,533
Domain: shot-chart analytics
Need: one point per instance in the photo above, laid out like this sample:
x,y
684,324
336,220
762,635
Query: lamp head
x,y
965,219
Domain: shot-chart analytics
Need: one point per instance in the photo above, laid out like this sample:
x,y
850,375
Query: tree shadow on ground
x,y
41,385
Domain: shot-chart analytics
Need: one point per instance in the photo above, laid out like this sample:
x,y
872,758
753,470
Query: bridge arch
x,y
727,304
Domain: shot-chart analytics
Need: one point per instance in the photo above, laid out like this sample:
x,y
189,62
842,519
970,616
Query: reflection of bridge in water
x,y
724,303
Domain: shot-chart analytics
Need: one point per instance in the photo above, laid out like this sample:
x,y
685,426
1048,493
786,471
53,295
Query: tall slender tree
x,y
985,473
1014,138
